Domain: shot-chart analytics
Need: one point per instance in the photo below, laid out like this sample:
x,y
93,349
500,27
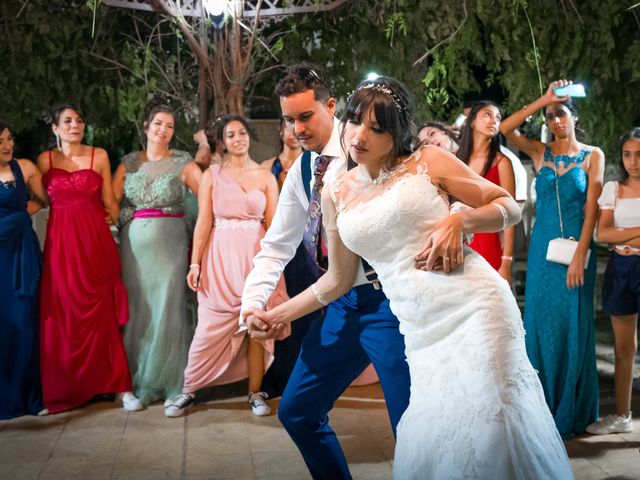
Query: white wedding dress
x,y
477,409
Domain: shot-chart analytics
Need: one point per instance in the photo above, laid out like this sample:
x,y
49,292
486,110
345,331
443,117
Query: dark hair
x,y
466,137
633,134
156,105
5,126
392,105
443,128
221,125
302,77
211,132
54,117
580,134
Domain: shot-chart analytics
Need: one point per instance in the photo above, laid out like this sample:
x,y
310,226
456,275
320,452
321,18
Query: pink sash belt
x,y
154,213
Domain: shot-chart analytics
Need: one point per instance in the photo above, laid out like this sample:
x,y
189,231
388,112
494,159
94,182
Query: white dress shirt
x,y
519,172
281,241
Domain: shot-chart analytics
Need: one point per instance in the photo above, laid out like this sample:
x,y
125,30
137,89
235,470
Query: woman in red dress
x,y
83,299
480,149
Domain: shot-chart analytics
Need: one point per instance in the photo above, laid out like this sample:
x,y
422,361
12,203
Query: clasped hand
x,y
443,250
261,328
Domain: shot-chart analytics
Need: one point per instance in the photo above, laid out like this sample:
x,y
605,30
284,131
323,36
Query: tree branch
x,y
252,36
24,4
185,28
121,66
448,39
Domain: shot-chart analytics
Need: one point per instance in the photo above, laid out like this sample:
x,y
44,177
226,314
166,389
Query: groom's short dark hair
x,y
302,77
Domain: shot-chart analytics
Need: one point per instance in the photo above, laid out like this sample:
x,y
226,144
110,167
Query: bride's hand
x,y
443,249
261,328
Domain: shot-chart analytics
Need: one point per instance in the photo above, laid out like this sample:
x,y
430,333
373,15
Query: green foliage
x,y
492,56
437,95
395,23
50,55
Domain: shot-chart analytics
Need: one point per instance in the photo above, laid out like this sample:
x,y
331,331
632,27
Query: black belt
x,y
371,274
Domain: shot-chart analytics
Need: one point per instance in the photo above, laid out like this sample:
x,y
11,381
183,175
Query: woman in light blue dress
x,y
154,249
559,315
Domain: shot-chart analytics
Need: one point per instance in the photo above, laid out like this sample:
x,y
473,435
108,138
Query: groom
x,y
357,328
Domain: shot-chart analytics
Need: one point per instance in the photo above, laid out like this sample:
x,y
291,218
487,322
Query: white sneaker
x,y
129,401
258,405
44,412
179,405
611,424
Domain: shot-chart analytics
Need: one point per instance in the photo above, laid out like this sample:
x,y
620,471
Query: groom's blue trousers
x,y
357,328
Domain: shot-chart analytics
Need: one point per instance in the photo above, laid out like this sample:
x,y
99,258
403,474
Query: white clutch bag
x,y
561,250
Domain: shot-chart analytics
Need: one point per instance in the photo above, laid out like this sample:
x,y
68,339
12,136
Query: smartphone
x,y
459,120
573,90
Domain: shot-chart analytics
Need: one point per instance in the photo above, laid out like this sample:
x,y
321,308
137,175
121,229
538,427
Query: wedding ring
x,y
446,259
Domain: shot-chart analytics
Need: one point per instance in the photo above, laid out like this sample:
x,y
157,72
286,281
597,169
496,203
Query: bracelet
x,y
196,265
200,145
507,257
503,212
318,295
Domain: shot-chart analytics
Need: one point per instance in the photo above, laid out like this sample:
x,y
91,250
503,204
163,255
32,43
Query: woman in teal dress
x,y
559,315
154,249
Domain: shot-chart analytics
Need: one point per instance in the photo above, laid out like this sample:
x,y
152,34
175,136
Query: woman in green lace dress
x,y
154,249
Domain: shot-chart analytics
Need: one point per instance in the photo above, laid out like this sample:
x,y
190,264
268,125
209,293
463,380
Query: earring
x,y
58,141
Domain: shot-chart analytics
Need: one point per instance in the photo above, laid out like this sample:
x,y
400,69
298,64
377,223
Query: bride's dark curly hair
x,y
392,105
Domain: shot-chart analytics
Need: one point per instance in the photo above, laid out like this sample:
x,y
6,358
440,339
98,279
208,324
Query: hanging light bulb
x,y
216,8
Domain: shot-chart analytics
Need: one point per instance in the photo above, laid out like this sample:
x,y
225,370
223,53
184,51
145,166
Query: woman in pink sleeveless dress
x,y
83,299
236,202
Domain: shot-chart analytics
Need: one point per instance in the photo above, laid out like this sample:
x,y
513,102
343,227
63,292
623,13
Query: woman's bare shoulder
x,y
268,163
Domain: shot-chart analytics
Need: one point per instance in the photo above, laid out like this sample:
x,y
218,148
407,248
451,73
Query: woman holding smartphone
x,y
558,315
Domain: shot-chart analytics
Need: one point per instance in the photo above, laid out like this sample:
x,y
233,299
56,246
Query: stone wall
x,y
267,144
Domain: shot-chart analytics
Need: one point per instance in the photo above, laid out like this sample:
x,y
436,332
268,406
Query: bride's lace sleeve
x,y
493,208
343,263
343,267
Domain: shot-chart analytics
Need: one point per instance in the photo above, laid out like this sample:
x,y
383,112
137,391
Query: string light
x,y
216,8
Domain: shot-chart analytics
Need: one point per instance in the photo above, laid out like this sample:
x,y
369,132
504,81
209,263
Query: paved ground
x,y
221,439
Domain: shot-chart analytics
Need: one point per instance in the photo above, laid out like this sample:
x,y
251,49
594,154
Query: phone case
x,y
573,90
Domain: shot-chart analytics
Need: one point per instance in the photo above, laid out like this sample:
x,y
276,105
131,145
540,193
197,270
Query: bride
x,y
477,409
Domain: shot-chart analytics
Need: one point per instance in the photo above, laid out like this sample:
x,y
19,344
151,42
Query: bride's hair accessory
x,y
504,213
379,87
319,295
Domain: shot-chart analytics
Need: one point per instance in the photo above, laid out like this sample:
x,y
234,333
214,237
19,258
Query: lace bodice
x,y
77,189
156,184
384,219
572,189
387,222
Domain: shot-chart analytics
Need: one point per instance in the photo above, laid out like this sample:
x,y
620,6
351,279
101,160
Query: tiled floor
x,y
221,439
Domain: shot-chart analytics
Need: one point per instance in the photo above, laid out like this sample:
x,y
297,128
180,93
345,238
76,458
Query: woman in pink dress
x,y
83,300
236,202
